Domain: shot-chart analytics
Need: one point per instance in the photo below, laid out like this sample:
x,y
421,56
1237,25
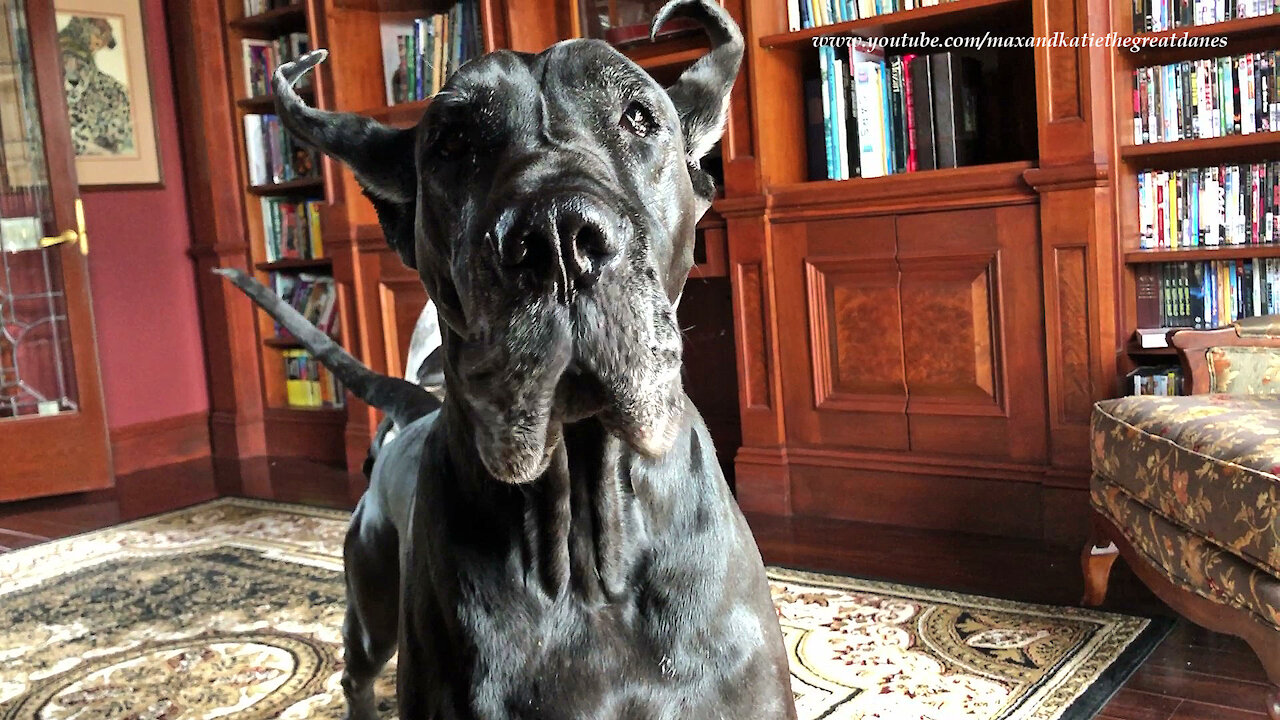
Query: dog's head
x,y
548,202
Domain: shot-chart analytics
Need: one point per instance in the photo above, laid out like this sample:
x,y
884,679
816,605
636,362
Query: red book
x,y
905,60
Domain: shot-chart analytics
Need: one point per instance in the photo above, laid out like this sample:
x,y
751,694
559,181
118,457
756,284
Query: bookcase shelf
x,y
945,16
281,343
284,18
1207,151
403,114
290,187
1220,252
916,188
1265,25
295,264
267,103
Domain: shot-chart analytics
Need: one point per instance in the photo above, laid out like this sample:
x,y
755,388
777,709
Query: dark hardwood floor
x,y
1195,674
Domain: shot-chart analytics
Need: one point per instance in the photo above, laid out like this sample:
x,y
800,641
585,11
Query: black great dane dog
x,y
557,540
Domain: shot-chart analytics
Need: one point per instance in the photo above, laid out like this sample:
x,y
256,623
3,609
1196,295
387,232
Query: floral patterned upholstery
x,y
1189,560
1208,463
1244,370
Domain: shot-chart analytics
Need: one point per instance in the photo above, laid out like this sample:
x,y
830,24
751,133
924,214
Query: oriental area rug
x,y
233,609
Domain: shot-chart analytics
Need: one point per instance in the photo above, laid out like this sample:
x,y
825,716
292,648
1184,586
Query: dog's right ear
x,y
381,157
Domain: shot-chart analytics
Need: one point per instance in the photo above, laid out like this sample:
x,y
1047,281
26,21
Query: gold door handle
x,y
71,236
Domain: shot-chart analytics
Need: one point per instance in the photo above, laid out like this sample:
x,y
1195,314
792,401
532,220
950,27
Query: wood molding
x,y
1067,177
146,445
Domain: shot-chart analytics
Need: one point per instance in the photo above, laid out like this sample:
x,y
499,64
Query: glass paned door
x,y
36,369
52,423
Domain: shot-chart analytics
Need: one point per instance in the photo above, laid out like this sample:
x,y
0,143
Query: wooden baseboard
x,y
160,442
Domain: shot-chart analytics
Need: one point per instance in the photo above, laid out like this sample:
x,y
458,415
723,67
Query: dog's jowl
x,y
556,540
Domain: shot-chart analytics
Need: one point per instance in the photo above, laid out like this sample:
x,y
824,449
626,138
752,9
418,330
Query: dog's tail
x,y
402,401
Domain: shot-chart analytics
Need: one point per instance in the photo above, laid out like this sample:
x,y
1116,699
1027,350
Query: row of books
x,y
803,14
1149,380
1224,205
1157,15
273,155
315,296
262,57
291,229
1207,98
308,384
420,55
869,116
1204,294
257,7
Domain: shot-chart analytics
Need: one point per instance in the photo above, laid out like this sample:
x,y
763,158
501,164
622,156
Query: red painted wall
x,y
142,280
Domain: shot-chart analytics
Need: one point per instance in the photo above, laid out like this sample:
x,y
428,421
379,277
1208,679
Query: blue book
x,y
805,20
824,69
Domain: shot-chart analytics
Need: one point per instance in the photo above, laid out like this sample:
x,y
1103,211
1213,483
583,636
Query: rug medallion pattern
x,y
233,609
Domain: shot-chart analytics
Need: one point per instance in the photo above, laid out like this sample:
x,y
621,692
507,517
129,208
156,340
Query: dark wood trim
x,y
146,445
926,19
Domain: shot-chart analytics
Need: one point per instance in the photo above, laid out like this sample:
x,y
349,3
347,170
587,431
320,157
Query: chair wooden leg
x,y
1096,561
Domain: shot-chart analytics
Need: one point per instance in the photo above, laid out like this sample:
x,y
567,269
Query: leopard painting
x,y
97,103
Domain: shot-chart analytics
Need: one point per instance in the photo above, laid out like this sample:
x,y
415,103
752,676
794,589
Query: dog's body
x,y
557,539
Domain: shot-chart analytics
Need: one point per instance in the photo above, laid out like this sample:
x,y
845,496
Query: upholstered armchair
x,y
1187,489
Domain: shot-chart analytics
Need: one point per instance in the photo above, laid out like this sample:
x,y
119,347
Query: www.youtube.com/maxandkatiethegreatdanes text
x,y
925,41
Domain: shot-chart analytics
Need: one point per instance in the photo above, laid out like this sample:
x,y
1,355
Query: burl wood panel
x,y
949,322
751,323
1071,324
840,336
850,301
973,333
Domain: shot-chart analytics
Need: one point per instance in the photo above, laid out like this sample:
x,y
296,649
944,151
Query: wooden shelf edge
x,y
295,264
299,413
1229,28
951,184
286,188
401,114
268,102
891,23
1220,252
270,18
1178,148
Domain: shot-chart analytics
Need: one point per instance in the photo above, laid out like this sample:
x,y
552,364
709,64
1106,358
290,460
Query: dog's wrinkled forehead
x,y
566,91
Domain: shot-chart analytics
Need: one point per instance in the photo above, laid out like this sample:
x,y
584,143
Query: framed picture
x,y
108,88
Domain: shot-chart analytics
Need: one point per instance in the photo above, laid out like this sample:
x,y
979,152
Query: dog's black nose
x,y
570,236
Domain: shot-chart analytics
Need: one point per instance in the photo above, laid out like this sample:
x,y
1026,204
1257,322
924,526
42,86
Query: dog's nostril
x,y
591,249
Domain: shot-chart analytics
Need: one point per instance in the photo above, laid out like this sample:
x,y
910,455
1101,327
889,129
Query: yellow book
x,y
313,224
1173,210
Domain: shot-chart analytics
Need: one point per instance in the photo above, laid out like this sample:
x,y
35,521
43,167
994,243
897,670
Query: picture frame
x,y
107,80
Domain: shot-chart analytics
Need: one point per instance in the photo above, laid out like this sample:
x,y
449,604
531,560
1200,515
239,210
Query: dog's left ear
x,y
701,95
381,157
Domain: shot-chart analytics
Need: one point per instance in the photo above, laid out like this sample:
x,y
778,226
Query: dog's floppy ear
x,y
381,157
701,95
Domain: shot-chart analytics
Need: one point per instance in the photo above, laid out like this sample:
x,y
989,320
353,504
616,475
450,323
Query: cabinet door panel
x,y
973,337
841,334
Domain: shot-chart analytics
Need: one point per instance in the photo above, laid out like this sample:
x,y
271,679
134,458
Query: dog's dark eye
x,y
451,142
637,120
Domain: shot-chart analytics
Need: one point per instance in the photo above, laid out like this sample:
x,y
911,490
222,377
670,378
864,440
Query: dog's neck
x,y
580,522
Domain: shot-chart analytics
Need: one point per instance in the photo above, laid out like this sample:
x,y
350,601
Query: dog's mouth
x,y
552,364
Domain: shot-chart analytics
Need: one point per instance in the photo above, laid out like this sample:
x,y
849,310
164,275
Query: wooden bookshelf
x,y
1243,35
265,104
1218,252
940,18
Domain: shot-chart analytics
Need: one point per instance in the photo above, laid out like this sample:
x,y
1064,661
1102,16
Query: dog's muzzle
x,y
570,239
